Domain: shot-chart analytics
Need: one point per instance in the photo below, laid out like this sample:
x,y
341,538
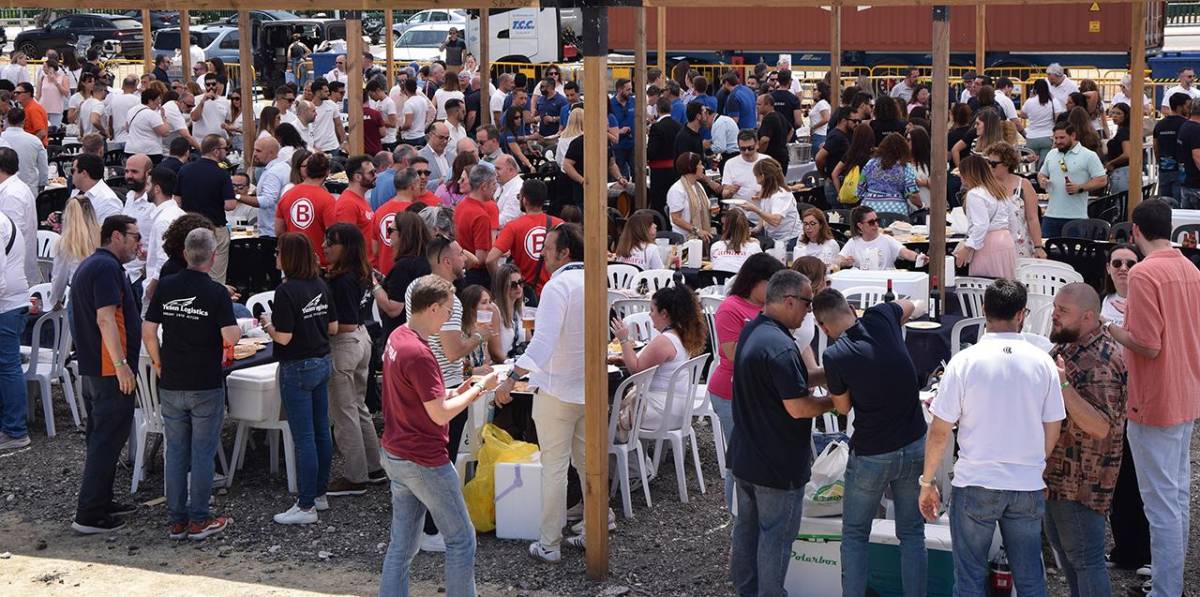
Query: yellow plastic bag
x,y
480,492
848,194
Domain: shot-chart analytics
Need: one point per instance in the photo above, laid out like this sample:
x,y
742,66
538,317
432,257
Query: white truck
x,y
530,35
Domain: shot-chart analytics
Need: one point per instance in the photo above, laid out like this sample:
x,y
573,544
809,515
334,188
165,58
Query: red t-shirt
x,y
383,219
473,225
430,199
351,208
522,239
372,130
309,210
411,377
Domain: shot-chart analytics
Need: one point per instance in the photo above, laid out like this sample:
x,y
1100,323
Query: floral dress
x,y
1018,226
887,190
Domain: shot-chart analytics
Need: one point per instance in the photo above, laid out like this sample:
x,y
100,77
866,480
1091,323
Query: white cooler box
x,y
912,285
815,568
253,394
519,499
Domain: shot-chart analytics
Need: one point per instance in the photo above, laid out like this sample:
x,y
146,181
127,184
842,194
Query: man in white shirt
x,y
1061,87
339,72
1003,97
88,177
18,203
166,211
504,86
737,177
14,307
385,106
212,111
436,152
508,199
92,116
1006,398
118,111
970,87
412,120
33,168
326,129
138,207
904,89
1187,79
1122,95
554,363
173,116
456,110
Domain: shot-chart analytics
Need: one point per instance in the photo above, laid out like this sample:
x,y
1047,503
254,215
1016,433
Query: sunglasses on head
x,y
1117,263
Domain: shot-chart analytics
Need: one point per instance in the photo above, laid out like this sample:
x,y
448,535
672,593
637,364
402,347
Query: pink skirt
x,y
997,258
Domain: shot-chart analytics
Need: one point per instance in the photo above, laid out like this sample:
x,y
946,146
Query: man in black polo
x,y
690,138
204,187
835,147
769,448
106,328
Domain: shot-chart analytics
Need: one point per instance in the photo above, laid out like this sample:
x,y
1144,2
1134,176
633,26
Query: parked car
x,y
437,16
217,42
270,56
421,43
118,33
256,16
159,19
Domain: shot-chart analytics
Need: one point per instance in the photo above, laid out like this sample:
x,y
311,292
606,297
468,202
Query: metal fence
x,y
1183,13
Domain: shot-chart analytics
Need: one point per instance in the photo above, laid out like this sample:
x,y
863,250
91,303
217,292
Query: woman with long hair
x,y
636,245
818,116
887,119
409,235
683,333
300,326
989,247
349,277
687,202
572,129
1118,149
776,208
962,126
1040,112
508,294
80,237
52,88
814,270
512,134
478,307
448,91
920,99
268,120
862,145
87,84
888,183
920,145
816,239
988,130
1022,200
1094,104
216,67
289,140
1084,133
452,190
736,244
868,248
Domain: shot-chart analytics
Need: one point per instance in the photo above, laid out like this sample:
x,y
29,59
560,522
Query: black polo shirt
x,y
777,130
191,308
303,308
99,282
770,447
836,145
689,140
871,362
205,187
786,103
349,295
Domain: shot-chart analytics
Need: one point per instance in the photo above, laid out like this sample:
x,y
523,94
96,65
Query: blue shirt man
x,y
551,105
740,105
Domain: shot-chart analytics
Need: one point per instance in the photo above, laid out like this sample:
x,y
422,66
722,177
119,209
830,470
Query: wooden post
x,y
1137,72
835,53
595,304
639,93
661,40
389,42
246,82
980,38
354,81
185,44
147,41
937,176
485,68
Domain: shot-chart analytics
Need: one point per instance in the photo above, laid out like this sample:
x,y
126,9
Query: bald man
x,y
466,145
276,173
508,193
1081,473
139,207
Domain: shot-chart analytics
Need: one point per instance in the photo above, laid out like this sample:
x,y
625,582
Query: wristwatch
x,y
923,483
120,363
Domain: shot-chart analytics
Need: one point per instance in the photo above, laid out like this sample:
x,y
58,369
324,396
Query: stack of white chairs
x,y
675,425
147,419
47,249
1045,277
640,384
970,295
47,366
624,307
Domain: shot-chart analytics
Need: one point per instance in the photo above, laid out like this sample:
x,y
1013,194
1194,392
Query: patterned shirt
x,y
887,189
1082,468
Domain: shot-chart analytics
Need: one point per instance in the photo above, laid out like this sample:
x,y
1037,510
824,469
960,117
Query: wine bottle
x,y
889,296
934,295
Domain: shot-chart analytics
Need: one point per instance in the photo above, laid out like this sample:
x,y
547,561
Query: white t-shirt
x,y
1109,309
216,112
496,101
739,172
119,109
441,96
874,255
86,109
142,137
1193,91
324,136
825,251
15,73
1063,90
728,260
782,203
1121,98
387,107
1000,392
417,106
1006,104
1041,117
646,256
815,115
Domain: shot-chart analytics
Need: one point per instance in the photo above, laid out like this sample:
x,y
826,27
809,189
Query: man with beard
x,y
139,207
1081,472
352,206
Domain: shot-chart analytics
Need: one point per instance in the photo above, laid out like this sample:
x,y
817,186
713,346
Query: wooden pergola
x,y
595,49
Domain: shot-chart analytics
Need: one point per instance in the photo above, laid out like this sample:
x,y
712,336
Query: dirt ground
x,y
670,549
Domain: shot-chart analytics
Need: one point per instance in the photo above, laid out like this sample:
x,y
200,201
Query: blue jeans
x,y
304,389
1076,533
1189,198
14,402
624,158
1042,145
817,142
866,479
724,410
192,421
1052,227
1163,471
1170,179
414,489
974,513
766,526
1118,180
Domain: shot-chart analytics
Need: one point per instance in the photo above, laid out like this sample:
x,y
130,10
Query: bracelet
x,y
1064,385
120,363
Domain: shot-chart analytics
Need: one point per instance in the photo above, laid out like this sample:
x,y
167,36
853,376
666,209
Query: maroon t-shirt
x,y
411,377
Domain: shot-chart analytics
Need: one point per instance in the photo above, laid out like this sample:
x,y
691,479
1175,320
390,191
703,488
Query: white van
x,y
525,35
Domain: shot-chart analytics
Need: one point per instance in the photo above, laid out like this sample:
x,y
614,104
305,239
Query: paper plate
x,y
733,201
923,325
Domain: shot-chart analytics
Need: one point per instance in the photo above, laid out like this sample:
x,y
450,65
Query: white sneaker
x,y
321,503
575,513
577,528
1146,571
576,541
295,515
546,555
433,543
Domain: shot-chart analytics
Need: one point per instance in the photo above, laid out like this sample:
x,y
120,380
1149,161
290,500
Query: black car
x,y
120,33
158,18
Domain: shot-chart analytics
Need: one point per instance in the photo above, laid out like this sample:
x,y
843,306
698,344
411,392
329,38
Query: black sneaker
x,y
342,486
378,477
98,527
119,509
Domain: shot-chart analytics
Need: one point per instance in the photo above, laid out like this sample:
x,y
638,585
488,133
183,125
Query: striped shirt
x,y
452,372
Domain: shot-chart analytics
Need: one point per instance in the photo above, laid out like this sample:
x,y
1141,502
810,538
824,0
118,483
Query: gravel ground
x,y
671,549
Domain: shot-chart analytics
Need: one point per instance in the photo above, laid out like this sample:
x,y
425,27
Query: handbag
x,y
530,287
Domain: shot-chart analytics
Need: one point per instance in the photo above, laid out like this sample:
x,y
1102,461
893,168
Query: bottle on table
x,y
889,296
935,295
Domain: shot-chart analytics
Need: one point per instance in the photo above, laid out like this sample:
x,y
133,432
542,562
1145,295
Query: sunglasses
x,y
806,300
745,149
871,222
1128,263
994,162
1062,164
422,172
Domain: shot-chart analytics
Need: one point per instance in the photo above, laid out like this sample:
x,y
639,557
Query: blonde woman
x,y
989,247
574,128
80,237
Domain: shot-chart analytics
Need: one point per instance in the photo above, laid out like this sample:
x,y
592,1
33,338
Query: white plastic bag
x,y
827,485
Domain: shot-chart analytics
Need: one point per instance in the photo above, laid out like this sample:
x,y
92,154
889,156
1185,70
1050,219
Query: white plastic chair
x,y
147,419
42,292
266,300
702,409
624,307
1044,279
964,324
46,367
640,382
709,304
863,297
47,244
970,295
614,296
640,326
676,427
655,279
1038,321
619,275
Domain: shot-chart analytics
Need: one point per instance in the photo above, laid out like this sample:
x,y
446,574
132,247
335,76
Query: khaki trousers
x,y
353,429
560,431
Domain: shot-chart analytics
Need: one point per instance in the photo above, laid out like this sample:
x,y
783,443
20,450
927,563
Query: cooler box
x,y
815,568
912,285
884,553
519,499
253,393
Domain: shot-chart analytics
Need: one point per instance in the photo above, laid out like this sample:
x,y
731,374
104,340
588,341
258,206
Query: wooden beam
x,y
1137,72
980,38
937,176
639,93
820,3
147,41
835,54
327,5
661,40
185,45
354,81
485,67
246,83
389,42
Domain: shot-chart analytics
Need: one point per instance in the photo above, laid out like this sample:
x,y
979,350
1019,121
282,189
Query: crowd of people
x,y
446,226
